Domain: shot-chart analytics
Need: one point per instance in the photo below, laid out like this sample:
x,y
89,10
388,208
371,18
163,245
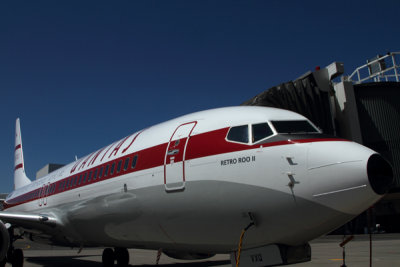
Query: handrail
x,y
388,70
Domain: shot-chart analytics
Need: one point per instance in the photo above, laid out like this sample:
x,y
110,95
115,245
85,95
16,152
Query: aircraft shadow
x,y
193,264
62,261
80,261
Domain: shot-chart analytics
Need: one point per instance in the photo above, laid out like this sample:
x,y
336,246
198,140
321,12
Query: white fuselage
x,y
194,182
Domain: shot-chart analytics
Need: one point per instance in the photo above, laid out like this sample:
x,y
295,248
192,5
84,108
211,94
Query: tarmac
x,y
325,252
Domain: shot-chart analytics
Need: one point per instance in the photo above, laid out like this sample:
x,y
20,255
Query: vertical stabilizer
x,y
20,178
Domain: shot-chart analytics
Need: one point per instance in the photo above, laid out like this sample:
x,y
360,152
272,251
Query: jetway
x,y
351,107
363,107
308,95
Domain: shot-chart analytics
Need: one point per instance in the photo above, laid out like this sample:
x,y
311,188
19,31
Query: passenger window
x,y
134,160
95,175
261,131
119,166
84,177
126,163
291,127
80,179
112,168
89,176
239,134
101,172
106,171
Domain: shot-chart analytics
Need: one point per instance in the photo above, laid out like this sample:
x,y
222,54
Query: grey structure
x,y
363,109
48,169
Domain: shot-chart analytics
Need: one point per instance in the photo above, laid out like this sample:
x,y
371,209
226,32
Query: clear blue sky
x,y
81,74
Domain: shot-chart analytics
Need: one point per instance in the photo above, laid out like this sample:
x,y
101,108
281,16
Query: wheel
x,y
122,257
17,258
108,257
9,257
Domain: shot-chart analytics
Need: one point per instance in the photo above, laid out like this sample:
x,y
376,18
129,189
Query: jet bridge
x,y
363,107
368,109
308,95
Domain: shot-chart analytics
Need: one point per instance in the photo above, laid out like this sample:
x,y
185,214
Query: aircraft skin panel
x,y
88,199
147,165
123,219
284,180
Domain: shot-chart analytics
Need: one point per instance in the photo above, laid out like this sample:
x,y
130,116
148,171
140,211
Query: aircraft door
x,y
174,162
46,193
41,194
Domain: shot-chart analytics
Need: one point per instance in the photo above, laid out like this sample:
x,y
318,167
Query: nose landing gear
x,y
121,255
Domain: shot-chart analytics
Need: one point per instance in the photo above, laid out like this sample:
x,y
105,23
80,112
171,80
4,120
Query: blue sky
x,y
82,74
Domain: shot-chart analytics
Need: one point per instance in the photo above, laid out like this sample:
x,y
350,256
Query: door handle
x,y
172,152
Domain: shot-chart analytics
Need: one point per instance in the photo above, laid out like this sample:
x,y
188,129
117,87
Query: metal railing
x,y
380,69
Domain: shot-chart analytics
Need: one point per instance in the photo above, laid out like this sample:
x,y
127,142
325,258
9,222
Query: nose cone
x,y
346,176
380,174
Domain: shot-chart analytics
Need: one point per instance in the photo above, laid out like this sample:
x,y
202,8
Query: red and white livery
x,y
190,185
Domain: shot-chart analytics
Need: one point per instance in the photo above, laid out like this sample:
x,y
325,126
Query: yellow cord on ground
x,y
158,256
240,247
241,240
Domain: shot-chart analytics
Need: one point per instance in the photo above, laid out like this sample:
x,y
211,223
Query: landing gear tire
x,y
122,257
17,258
108,257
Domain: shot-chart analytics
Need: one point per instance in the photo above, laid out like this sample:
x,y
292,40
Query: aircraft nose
x,y
380,174
347,176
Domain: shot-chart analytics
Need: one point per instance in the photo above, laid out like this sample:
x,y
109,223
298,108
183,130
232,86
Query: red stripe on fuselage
x,y
199,146
214,143
18,147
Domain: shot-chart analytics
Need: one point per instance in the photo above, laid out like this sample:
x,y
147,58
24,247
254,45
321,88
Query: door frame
x,y
182,186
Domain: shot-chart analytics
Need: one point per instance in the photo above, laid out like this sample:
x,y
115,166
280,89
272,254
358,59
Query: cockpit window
x,y
291,127
239,134
261,131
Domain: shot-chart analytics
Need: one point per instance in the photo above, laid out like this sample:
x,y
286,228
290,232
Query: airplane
x,y
190,186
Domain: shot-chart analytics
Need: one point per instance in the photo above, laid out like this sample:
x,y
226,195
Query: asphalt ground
x,y
325,252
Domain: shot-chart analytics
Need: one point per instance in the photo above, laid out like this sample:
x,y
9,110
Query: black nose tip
x,y
380,174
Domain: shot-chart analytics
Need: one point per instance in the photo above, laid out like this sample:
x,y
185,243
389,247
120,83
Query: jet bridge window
x,y
294,127
239,134
261,131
